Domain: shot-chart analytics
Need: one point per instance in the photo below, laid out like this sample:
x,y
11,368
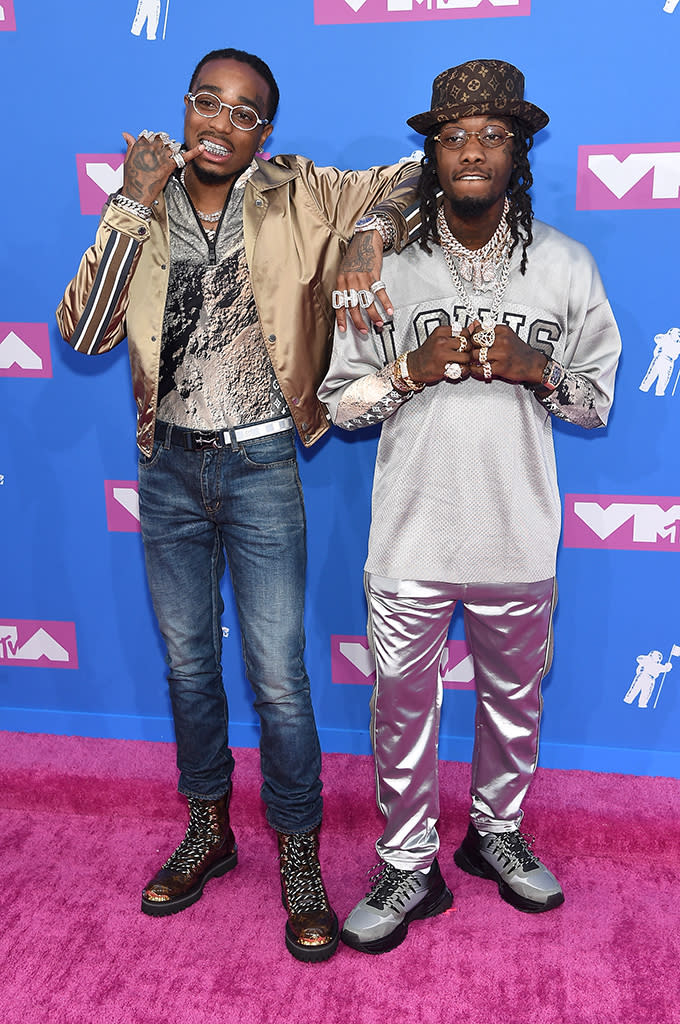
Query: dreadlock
x,y
520,214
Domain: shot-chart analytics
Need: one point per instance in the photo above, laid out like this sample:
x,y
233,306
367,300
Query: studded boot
x,y
312,927
207,851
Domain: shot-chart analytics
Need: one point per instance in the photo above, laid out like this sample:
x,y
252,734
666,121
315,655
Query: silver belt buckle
x,y
205,439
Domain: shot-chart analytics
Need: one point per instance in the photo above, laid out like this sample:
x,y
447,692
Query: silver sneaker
x,y
507,859
380,921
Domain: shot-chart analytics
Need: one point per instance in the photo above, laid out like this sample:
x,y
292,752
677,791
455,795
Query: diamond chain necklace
x,y
479,265
452,248
209,218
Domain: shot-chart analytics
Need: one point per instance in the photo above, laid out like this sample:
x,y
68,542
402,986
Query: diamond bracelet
x,y
132,206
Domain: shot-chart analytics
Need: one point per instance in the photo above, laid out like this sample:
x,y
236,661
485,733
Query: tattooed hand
x,y
360,269
148,165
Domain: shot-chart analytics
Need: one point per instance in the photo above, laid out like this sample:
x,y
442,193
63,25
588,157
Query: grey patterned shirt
x,y
215,370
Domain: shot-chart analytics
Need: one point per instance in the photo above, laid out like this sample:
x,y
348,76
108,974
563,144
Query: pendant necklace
x,y
489,266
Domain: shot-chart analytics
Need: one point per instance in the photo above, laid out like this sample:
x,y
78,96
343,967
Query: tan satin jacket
x,y
297,220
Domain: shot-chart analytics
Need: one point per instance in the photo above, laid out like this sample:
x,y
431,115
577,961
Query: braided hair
x,y
520,214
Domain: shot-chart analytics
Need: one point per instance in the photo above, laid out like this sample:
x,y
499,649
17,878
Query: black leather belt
x,y
203,440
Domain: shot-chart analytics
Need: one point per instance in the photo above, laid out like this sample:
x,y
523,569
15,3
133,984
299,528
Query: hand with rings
x,y
360,273
498,353
444,355
150,160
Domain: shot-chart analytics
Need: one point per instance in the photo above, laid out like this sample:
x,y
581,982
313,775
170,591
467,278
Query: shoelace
x,y
302,873
516,849
197,842
390,886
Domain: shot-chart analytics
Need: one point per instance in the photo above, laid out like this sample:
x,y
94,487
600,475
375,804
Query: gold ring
x,y
488,372
484,338
483,354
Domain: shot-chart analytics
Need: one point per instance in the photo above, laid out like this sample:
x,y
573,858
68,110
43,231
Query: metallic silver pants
x,y
508,628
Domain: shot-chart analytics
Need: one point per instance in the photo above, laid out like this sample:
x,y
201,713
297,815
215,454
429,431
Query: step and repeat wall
x,y
79,648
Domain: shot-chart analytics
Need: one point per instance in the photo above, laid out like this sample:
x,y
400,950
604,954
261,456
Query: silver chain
x,y
209,218
449,247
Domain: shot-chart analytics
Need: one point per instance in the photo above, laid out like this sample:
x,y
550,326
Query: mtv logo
x,y
645,176
25,350
122,506
457,668
7,19
346,12
621,522
32,644
352,663
99,174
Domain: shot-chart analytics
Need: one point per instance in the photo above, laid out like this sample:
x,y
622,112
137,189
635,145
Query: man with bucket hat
x,y
500,322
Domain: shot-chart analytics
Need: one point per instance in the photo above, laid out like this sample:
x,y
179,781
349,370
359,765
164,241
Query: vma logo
x,y
7,20
346,12
99,174
122,506
621,523
630,177
31,644
352,663
25,350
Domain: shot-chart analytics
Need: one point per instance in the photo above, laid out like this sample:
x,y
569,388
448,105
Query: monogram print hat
x,y
476,88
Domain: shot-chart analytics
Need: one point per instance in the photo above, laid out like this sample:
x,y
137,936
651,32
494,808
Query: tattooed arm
x,y
360,268
92,316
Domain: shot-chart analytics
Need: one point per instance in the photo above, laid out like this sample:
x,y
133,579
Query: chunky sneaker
x,y
312,927
507,859
380,921
207,851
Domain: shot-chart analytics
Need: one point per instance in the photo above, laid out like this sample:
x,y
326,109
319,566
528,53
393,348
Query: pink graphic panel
x,y
642,176
622,522
458,672
122,506
352,663
99,174
25,350
350,12
7,18
31,643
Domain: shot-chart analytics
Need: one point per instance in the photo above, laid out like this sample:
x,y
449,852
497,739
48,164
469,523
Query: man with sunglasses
x,y
218,267
500,323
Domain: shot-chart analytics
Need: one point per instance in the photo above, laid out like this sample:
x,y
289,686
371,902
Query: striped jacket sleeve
x,y
91,316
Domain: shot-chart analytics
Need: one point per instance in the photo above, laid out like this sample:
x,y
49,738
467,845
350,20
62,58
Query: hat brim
x,y
531,116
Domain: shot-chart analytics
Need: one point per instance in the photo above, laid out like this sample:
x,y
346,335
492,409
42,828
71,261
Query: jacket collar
x,y
274,173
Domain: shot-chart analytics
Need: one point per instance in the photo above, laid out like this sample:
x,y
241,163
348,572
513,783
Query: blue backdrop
x,y
79,649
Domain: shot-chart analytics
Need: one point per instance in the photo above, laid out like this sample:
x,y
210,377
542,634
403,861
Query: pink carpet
x,y
84,823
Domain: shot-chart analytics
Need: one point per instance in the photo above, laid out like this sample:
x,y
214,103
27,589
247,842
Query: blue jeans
x,y
247,502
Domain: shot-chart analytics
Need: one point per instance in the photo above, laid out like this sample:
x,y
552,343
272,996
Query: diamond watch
x,y
553,375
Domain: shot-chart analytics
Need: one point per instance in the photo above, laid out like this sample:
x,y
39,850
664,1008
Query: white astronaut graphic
x,y
2,13
666,351
670,6
149,11
649,668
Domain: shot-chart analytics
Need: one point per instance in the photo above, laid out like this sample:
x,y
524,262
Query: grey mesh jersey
x,y
465,487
